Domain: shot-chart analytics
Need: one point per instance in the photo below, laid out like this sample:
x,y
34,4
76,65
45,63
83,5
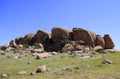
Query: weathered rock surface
x,y
61,39
108,42
41,36
100,41
84,35
26,40
60,33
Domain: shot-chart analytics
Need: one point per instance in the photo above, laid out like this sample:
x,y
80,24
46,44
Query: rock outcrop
x,y
100,41
84,35
26,40
108,42
60,39
41,36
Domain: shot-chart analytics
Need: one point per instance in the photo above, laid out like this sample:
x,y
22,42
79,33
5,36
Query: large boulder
x,y
100,41
61,33
84,35
108,42
42,36
27,39
18,40
67,47
24,40
60,37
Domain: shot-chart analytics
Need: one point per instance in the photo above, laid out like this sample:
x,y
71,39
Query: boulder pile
x,y
60,39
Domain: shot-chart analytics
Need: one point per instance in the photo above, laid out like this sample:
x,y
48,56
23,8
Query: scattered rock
x,y
9,49
4,75
29,62
86,50
32,73
97,48
16,57
43,55
41,69
54,53
38,50
22,73
106,61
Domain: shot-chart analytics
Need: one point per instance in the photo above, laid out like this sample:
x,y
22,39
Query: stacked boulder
x,y
41,35
62,39
84,35
24,40
100,41
108,42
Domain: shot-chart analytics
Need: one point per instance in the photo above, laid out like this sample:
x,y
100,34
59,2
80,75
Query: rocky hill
x,y
61,39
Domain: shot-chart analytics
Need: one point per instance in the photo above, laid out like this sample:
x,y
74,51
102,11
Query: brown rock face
x,y
60,37
24,40
18,40
41,36
67,47
108,42
84,35
59,33
100,41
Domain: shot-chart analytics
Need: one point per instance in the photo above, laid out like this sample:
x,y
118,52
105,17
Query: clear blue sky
x,y
20,17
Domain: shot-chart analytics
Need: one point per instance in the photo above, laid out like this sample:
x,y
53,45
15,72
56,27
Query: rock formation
x,y
60,39
84,35
108,42
100,41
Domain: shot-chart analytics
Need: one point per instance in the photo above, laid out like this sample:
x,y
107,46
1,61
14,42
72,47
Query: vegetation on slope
x,y
61,66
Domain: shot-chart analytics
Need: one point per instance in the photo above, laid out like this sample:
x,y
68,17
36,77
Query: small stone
x,y
54,53
4,75
32,73
41,69
22,72
107,61
29,62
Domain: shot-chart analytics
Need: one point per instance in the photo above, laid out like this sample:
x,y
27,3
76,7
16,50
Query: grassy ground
x,y
61,66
